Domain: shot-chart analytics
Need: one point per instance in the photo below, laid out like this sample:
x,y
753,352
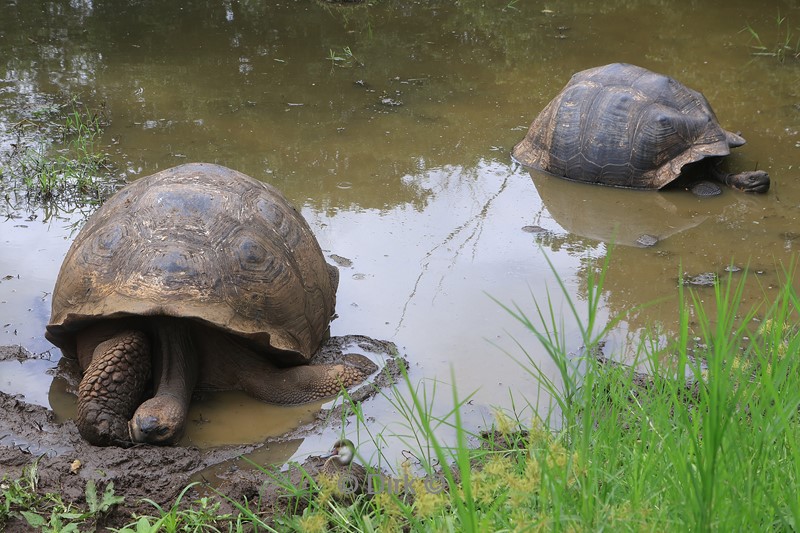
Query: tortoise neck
x,y
175,358
717,173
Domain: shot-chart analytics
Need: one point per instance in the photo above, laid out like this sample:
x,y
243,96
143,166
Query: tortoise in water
x,y
625,126
197,277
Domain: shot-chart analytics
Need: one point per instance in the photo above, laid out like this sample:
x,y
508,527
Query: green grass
x,y
198,517
343,59
707,440
48,512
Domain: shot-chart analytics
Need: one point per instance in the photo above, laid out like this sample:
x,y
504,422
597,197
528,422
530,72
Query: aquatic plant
x,y
786,44
343,59
56,160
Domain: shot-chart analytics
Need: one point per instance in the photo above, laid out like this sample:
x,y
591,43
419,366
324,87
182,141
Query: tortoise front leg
x,y
162,418
112,387
305,383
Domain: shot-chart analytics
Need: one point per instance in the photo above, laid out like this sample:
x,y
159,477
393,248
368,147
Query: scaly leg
x,y
162,418
305,383
112,387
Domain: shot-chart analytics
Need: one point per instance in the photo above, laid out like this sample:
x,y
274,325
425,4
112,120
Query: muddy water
x,y
390,126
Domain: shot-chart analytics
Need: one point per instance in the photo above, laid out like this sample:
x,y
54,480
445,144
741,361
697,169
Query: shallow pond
x,y
390,126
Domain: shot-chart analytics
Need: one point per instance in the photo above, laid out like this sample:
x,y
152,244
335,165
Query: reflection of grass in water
x,y
55,161
787,44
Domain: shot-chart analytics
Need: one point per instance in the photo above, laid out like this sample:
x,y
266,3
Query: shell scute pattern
x,y
205,242
624,126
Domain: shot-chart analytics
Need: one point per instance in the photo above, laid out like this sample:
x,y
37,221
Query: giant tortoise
x,y
625,126
197,277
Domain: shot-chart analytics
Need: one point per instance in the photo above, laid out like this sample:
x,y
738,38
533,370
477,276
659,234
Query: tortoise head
x,y
750,181
159,420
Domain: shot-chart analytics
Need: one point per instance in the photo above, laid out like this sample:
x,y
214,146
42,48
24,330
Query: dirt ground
x,y
30,432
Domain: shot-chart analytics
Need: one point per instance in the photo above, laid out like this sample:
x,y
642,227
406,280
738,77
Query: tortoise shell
x,y
204,242
624,126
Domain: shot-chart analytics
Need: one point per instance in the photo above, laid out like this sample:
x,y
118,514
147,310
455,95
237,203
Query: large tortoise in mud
x,y
625,126
197,277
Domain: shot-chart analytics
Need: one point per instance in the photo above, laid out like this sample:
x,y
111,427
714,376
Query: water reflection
x,y
611,215
210,82
611,221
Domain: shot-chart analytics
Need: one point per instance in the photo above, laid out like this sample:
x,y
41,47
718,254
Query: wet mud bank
x,y
31,434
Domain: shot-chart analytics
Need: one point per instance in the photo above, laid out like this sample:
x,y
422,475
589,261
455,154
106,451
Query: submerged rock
x,y
706,279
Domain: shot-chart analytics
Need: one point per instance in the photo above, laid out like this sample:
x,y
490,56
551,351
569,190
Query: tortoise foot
x,y
112,387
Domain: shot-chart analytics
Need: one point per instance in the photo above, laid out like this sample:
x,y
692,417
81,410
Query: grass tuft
x,y
786,44
20,499
56,161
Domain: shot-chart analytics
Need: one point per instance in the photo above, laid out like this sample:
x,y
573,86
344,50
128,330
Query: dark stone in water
x,y
534,229
341,261
646,240
706,279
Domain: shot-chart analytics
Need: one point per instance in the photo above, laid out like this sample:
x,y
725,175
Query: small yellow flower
x,y
498,466
558,455
426,502
313,523
782,349
533,473
505,425
391,525
481,490
495,476
328,486
519,492
523,518
766,327
537,435
534,524
388,503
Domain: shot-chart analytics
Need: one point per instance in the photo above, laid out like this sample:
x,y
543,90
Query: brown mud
x,y
31,434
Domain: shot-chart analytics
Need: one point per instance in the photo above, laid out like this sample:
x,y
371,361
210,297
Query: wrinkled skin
x,y
751,181
119,357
